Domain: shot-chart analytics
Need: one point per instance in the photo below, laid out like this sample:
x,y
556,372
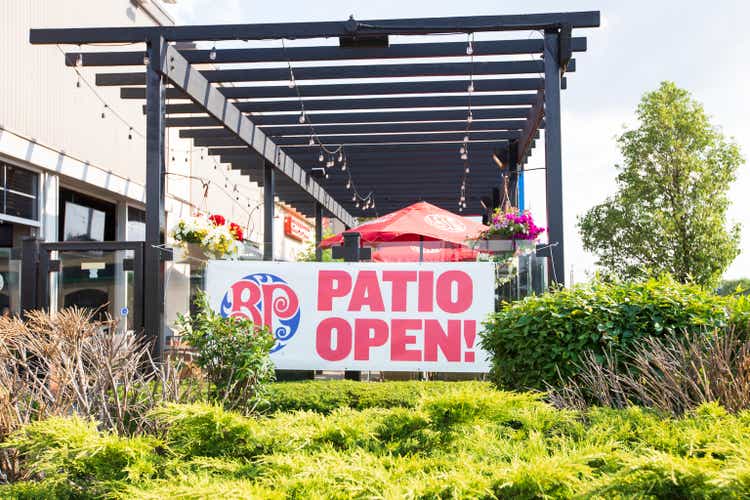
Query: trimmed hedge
x,y
325,397
539,339
471,442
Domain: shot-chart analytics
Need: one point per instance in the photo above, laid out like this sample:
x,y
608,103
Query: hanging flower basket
x,y
205,238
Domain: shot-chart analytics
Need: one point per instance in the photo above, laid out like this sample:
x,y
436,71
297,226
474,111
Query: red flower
x,y
236,231
217,220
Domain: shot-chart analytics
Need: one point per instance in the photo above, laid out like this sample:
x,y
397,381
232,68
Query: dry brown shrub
x,y
673,375
71,363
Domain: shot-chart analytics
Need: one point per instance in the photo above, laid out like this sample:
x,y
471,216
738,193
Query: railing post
x,y
269,194
30,278
318,231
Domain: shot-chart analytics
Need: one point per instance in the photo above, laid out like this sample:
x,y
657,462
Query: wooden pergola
x,y
442,122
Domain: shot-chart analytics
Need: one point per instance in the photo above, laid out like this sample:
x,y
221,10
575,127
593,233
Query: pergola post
x,y
553,154
153,275
269,181
318,231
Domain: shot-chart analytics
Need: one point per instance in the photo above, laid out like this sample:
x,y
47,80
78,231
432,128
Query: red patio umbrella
x,y
415,223
421,251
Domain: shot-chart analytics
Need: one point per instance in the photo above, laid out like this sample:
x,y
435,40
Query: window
x,y
19,189
84,218
136,224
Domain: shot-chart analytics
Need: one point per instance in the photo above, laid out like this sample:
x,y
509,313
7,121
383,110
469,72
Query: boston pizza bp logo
x,y
445,223
267,300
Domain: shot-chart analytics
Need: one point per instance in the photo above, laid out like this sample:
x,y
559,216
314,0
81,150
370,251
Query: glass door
x,y
103,276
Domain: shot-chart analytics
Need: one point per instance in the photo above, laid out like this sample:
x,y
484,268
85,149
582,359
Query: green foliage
x,y
233,353
669,213
72,455
734,287
466,441
539,339
324,397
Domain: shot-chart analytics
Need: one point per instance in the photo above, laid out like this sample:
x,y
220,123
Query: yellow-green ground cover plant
x,y
460,440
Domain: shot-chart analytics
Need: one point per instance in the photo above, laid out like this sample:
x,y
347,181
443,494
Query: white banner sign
x,y
362,316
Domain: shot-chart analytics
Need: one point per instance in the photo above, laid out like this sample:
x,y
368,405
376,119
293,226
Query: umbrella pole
x,y
421,249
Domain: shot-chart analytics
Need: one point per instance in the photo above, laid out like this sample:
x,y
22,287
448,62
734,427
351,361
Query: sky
x,y
701,47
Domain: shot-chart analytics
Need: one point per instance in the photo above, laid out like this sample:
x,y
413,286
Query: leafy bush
x,y
467,442
539,339
233,353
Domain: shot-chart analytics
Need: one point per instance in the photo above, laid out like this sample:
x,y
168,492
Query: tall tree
x,y
669,212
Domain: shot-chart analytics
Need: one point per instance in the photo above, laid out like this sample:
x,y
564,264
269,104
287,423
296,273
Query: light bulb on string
x,y
104,113
466,138
354,198
130,134
212,54
341,156
348,184
327,176
311,142
462,150
469,117
466,170
321,157
464,156
356,204
343,166
146,59
78,81
469,49
302,117
79,60
470,88
292,83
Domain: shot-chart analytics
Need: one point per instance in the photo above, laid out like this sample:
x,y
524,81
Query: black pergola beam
x,y
333,53
347,72
420,115
360,89
390,138
374,128
329,29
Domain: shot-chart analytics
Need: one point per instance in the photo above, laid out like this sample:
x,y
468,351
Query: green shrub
x,y
326,396
72,455
539,339
233,353
457,441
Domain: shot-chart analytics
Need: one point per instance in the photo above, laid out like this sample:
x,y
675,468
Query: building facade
x,y
72,165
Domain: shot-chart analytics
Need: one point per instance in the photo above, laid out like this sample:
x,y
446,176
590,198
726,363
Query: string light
x,y
104,114
130,133
212,54
470,45
329,155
